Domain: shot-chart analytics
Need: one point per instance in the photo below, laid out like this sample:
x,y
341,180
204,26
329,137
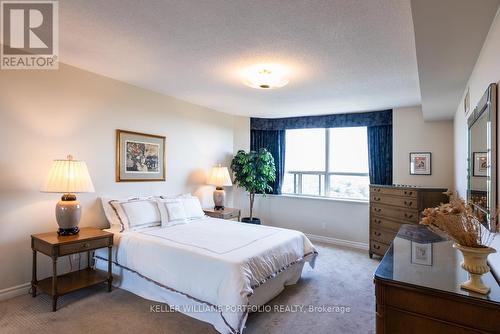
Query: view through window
x,y
327,163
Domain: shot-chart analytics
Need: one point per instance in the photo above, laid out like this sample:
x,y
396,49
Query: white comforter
x,y
215,262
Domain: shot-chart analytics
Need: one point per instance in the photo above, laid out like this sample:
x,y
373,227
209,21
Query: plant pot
x,y
475,263
255,221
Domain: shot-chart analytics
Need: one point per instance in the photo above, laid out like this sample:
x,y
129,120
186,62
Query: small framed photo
x,y
480,167
139,157
421,253
420,163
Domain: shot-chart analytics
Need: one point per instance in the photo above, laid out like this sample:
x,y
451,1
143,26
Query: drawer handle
x,y
378,221
376,199
408,203
377,209
408,215
86,245
377,233
376,246
377,190
408,193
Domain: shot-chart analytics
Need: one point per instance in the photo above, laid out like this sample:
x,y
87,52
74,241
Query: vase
x,y
476,265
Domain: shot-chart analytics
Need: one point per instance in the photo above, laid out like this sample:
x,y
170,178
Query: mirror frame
x,y
487,104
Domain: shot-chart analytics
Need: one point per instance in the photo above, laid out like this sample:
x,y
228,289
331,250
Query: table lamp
x,y
68,177
219,177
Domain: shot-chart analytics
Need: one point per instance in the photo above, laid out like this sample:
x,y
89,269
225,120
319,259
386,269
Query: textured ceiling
x,y
345,55
449,35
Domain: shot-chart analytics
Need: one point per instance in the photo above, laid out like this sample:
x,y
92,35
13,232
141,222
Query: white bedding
x,y
216,262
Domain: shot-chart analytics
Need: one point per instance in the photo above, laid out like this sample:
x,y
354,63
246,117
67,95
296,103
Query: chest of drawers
x,y
391,206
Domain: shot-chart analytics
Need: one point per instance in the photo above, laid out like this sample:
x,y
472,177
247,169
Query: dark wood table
x,y
55,246
422,294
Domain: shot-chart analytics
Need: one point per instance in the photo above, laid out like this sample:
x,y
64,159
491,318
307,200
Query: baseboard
x,y
338,242
14,291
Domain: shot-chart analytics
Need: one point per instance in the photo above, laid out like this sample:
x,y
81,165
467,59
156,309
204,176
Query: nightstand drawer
x,y
231,215
226,213
83,246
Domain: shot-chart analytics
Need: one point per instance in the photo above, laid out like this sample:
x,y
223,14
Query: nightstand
x,y
55,246
226,213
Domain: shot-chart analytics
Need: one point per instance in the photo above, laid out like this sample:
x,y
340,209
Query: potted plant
x,y
253,171
462,224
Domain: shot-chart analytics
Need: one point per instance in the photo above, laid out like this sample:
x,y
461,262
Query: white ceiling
x,y
346,55
449,35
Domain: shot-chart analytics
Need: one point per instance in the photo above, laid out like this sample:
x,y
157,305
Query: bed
x,y
211,269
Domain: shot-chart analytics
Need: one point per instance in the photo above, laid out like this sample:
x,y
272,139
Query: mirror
x,y
482,171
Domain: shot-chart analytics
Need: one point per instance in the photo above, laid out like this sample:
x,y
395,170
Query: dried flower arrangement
x,y
459,221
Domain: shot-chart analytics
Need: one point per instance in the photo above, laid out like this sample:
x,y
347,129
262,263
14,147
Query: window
x,y
327,163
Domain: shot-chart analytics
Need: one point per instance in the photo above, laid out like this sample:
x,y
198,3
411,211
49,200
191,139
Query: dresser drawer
x,y
408,215
404,202
383,223
393,191
83,246
383,236
378,247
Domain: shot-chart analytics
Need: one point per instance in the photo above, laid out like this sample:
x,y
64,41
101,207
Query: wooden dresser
x,y
391,206
414,298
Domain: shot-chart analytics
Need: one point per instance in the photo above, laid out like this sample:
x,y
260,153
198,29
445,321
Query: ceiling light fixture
x,y
265,76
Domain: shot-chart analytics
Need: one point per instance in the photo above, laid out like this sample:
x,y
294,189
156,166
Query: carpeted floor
x,y
342,277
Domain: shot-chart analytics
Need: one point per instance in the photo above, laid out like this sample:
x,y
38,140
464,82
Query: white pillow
x,y
192,207
172,212
137,214
110,211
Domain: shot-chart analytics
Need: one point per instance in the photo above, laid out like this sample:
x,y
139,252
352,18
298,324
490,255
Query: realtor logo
x,y
29,35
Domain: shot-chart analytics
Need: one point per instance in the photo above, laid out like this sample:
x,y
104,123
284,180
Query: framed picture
x,y
480,167
467,101
139,157
420,163
421,253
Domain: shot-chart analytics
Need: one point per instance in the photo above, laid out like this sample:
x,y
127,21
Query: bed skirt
x,y
135,283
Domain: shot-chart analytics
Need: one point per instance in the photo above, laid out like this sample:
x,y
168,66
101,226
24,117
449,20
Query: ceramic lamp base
x,y
219,198
68,212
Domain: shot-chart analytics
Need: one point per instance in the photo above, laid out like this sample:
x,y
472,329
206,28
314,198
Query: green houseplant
x,y
253,171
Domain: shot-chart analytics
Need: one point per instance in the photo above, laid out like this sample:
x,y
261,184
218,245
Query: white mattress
x,y
216,263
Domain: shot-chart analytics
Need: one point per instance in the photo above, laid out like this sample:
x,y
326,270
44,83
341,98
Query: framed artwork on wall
x,y
480,167
139,157
420,163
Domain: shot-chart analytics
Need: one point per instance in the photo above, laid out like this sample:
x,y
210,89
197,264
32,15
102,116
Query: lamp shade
x,y
68,176
219,176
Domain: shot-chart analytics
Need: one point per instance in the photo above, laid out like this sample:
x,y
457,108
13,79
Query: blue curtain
x,y
380,154
374,118
270,134
274,142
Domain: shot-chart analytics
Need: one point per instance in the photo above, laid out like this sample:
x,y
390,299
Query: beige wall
x,y
45,115
486,71
412,134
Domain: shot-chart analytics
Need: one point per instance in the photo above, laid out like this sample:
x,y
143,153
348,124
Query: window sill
x,y
317,198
